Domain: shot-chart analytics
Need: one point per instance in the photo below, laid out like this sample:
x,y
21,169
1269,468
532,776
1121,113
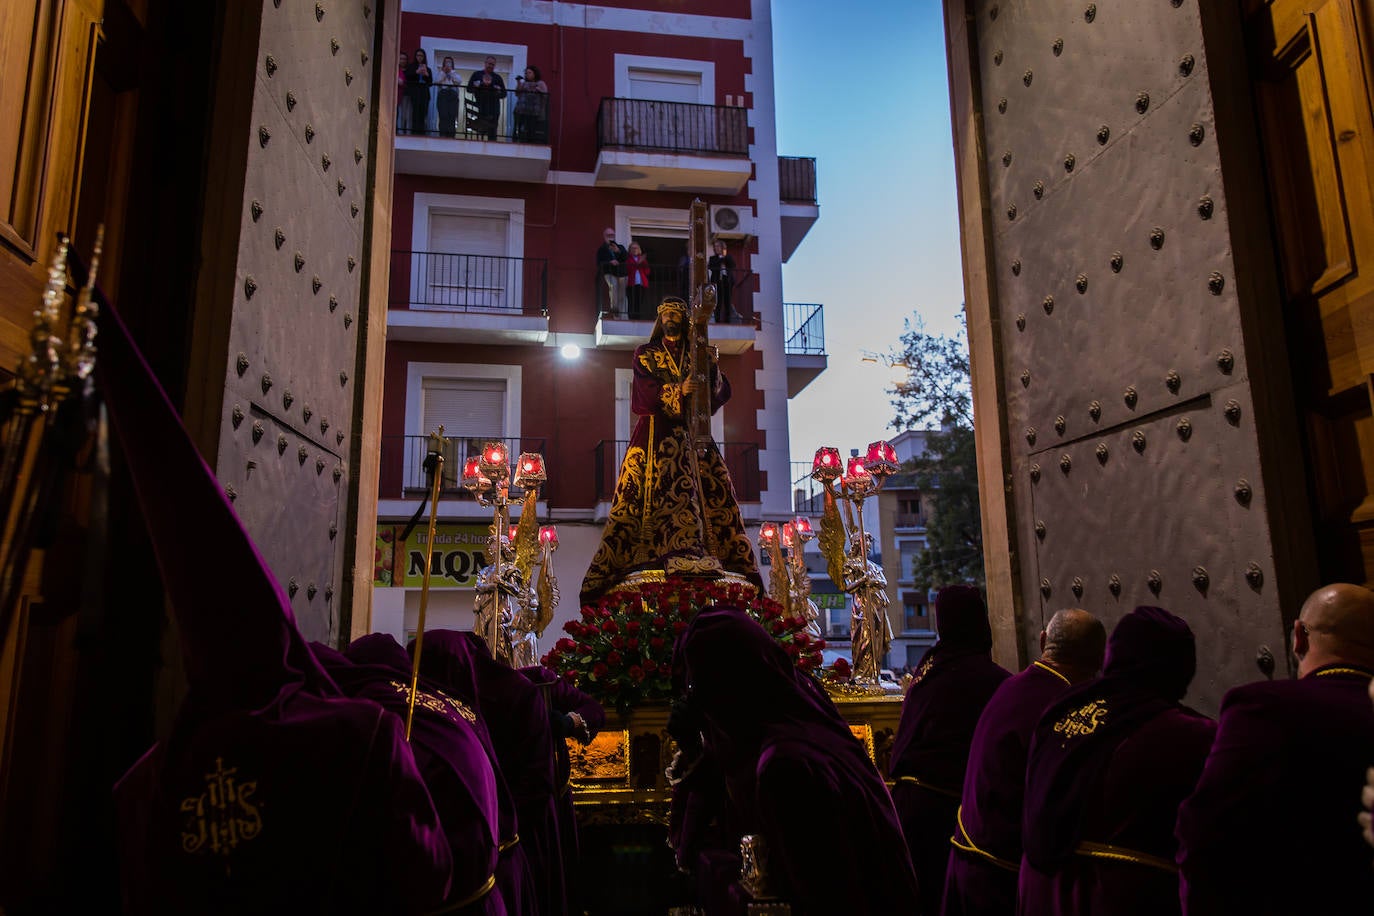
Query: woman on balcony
x,y
636,281
720,270
531,107
418,80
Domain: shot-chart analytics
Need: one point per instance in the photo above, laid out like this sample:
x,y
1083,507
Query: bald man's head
x,y
1336,625
1075,640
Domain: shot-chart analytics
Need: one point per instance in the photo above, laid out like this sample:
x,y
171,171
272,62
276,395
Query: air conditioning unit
x,y
732,222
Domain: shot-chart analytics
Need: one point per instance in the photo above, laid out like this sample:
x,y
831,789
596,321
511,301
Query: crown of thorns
x,y
672,304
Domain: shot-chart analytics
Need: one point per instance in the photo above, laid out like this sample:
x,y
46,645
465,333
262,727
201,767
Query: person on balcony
x,y
487,89
636,281
720,270
402,106
610,263
418,80
447,102
674,507
531,107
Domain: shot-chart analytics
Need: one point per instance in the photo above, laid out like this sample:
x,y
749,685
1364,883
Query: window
x,y
474,403
915,616
467,253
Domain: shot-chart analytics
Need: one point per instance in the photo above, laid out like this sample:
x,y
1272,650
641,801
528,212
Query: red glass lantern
x,y
472,473
827,464
881,460
495,460
789,535
803,526
768,533
513,530
856,470
548,536
529,470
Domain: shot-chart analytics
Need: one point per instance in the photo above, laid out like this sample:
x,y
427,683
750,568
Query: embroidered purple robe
x,y
1109,765
1271,826
953,684
272,793
981,879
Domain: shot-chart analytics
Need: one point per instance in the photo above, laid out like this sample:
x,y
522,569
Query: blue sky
x,y
864,90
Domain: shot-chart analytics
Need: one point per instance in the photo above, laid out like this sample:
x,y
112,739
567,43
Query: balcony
x,y
622,328
797,191
808,497
741,460
467,298
672,146
456,132
804,344
909,521
402,474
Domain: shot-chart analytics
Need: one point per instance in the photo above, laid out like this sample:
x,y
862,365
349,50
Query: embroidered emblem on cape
x,y
223,816
922,671
436,701
1082,721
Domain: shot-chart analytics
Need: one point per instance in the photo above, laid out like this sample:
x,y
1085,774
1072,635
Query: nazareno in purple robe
x,y
953,683
1271,826
272,793
1109,764
455,767
981,879
803,780
516,715
563,699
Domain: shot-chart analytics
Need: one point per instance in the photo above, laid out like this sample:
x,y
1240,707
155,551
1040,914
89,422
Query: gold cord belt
x,y
967,845
508,843
948,793
1122,854
469,900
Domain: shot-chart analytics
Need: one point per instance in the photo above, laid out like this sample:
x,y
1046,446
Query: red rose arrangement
x,y
620,650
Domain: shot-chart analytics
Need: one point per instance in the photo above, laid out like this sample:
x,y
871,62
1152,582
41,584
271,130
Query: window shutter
x,y
467,408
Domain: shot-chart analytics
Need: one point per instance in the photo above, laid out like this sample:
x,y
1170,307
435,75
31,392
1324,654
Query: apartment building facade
x,y
500,323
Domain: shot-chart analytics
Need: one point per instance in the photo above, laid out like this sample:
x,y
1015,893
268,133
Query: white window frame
x,y
435,48
417,372
706,69
426,205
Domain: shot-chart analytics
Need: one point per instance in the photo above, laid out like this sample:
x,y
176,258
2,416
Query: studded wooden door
x,y
1123,403
1311,59
291,343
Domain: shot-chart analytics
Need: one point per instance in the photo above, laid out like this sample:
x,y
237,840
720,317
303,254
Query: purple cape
x,y
516,715
790,757
993,794
1278,797
953,683
447,750
1109,764
265,763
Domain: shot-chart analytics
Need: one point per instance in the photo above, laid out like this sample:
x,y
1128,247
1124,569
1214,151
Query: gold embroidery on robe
x,y
672,400
1082,721
436,701
223,816
653,525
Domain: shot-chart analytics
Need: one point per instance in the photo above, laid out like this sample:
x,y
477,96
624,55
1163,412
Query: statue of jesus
x,y
667,514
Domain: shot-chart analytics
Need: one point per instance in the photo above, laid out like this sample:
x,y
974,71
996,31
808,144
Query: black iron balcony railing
x,y
672,127
741,460
797,179
671,280
804,328
807,495
469,283
512,115
402,463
